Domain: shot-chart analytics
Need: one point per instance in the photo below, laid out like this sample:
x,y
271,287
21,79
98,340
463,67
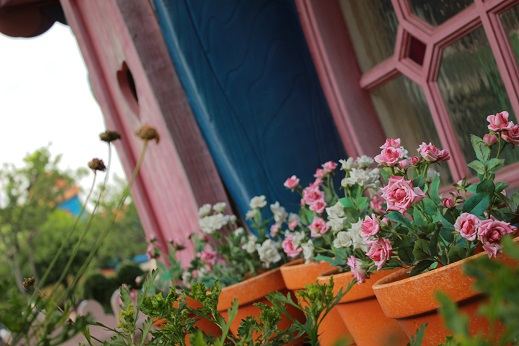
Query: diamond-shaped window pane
x,y
472,89
373,27
436,12
404,113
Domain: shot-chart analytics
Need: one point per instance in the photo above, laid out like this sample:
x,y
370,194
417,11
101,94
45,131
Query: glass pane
x,y
372,25
472,89
436,12
510,21
403,112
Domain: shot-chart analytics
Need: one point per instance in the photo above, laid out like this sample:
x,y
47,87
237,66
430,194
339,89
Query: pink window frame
x,y
347,88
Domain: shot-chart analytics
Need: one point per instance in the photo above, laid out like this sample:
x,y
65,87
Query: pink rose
x,y
358,272
511,135
390,156
448,202
310,195
320,173
318,227
288,246
432,154
391,143
292,182
404,164
318,206
490,233
489,139
329,166
152,251
292,225
370,227
376,204
415,160
400,194
274,229
467,225
209,256
380,251
499,122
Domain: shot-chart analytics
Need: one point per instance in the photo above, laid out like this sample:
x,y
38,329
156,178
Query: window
x,y
421,70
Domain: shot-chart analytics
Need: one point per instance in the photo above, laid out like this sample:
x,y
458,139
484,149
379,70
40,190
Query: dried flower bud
x,y
97,165
109,136
28,282
147,133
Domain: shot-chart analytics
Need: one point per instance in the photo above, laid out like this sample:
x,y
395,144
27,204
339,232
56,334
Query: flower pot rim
x,y
298,274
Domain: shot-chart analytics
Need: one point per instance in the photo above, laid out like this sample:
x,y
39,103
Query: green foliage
x,y
98,287
127,273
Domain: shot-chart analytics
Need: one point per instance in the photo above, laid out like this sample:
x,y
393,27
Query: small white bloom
x,y
431,173
308,251
343,239
347,182
212,223
250,245
239,231
251,214
336,211
346,165
268,252
202,272
364,161
232,218
219,207
280,214
293,217
186,278
336,224
355,233
298,238
258,202
204,210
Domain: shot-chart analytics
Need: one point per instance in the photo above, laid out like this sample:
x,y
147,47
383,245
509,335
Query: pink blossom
x,y
400,194
376,204
358,272
490,233
415,160
320,173
208,256
370,227
318,227
274,229
329,166
318,206
404,164
380,251
467,225
292,182
432,154
448,202
390,156
391,143
288,246
511,135
312,194
152,251
489,139
499,122
292,225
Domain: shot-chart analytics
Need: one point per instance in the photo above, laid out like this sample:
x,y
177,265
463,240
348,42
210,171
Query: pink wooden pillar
x,y
135,84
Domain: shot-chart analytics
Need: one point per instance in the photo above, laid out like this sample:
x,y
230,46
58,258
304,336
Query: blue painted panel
x,y
72,205
251,83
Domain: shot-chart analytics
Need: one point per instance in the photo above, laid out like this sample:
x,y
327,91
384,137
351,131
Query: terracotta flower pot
x,y
411,300
297,275
361,312
252,291
203,324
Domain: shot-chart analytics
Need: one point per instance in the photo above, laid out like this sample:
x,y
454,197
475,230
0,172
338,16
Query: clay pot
x,y
203,324
252,291
297,275
361,312
411,300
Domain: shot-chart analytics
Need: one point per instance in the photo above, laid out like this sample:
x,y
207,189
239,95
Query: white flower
x,y
232,218
204,210
364,161
258,202
431,173
210,224
355,232
343,239
250,245
280,214
219,207
202,272
346,165
298,238
186,278
268,252
251,214
336,211
346,182
239,231
308,251
293,217
336,224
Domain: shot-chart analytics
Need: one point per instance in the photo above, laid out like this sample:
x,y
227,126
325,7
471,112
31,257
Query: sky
x,y
45,99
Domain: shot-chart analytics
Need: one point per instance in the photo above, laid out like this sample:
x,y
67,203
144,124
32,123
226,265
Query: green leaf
x,y
418,218
419,181
433,190
421,250
396,216
346,202
416,340
494,165
477,204
447,234
430,207
486,186
477,166
456,253
405,253
480,149
421,266
363,203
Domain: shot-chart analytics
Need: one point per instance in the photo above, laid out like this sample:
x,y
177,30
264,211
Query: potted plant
x,y
432,235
